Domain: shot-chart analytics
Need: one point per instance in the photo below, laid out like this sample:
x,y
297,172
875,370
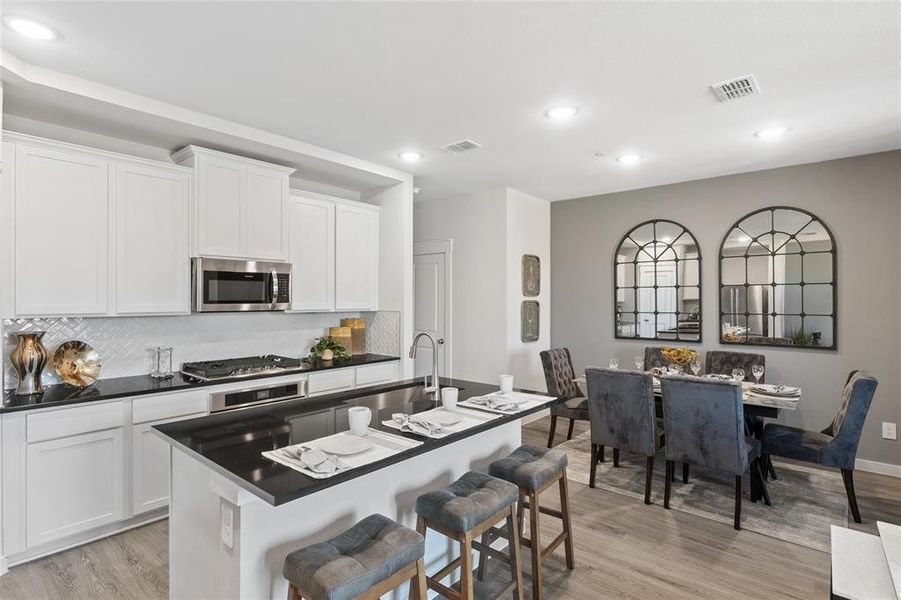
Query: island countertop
x,y
231,442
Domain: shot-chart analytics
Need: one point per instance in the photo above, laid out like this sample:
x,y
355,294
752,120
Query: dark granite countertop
x,y
231,442
138,385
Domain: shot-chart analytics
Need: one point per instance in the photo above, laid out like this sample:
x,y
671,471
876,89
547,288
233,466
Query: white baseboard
x,y
871,466
3,567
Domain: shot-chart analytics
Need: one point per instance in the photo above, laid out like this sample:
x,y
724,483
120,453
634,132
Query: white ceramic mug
x,y
449,397
506,383
358,417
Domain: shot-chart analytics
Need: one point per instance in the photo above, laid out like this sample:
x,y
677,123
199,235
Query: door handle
x,y
440,341
274,284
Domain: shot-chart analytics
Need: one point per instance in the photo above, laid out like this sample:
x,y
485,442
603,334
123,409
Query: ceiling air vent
x,y
461,146
733,89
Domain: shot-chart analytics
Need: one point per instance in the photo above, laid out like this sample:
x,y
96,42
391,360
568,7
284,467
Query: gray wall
x,y
858,198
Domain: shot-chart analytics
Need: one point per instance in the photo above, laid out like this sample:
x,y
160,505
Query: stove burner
x,y
240,367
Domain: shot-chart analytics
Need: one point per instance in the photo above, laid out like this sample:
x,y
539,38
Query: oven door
x,y
222,285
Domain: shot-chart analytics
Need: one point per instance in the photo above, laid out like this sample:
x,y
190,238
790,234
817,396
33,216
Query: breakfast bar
x,y
236,514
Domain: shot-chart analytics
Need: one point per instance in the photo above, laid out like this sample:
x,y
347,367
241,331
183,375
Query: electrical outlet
x,y
227,520
889,431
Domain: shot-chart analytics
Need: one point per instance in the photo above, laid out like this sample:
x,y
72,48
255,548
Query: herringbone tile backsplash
x,y
124,343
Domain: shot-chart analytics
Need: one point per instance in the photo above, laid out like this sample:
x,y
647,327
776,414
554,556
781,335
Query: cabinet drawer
x,y
373,374
331,381
154,408
73,421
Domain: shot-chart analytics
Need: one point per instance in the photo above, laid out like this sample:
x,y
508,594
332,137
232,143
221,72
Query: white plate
x,y
511,398
344,445
444,418
772,390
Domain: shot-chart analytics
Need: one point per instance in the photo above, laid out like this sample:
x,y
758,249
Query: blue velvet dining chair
x,y
704,424
621,411
835,446
559,376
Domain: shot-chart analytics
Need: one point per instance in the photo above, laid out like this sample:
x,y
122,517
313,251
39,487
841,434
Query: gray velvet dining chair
x,y
621,411
835,446
559,376
654,358
704,423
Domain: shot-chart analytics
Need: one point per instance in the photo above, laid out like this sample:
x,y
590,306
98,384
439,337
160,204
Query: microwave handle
x,y
273,279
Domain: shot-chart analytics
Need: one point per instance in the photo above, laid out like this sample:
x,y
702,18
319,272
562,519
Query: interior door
x,y
429,313
662,299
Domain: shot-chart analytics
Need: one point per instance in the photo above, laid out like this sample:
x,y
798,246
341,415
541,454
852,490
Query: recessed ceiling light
x,y
30,29
558,113
770,133
410,155
628,159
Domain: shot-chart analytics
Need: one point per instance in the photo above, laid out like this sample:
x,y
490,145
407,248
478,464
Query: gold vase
x,y
28,358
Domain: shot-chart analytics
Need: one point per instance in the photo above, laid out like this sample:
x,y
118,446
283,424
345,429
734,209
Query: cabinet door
x,y
220,211
356,257
153,254
62,216
73,484
266,194
150,467
312,235
311,426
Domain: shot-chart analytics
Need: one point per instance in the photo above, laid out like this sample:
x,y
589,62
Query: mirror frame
x,y
700,286
833,282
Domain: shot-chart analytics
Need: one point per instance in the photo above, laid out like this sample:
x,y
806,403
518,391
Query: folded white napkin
x,y
416,424
782,391
495,402
314,459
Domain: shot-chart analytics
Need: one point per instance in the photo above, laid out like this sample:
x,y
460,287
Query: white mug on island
x,y
359,417
506,383
449,398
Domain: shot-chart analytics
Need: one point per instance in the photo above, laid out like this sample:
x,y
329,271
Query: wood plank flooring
x,y
624,549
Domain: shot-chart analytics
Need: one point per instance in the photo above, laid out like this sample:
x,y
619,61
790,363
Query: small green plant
x,y
803,338
327,343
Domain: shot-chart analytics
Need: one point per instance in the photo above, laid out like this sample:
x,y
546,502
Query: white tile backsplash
x,y
124,343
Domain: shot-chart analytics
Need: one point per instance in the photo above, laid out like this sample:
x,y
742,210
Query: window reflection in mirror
x,y
778,281
657,283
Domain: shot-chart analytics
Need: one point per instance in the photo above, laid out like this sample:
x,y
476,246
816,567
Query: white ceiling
x,y
370,79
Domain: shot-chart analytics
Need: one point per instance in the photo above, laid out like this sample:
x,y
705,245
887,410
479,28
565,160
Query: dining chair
x,y
559,376
621,411
835,446
704,423
654,358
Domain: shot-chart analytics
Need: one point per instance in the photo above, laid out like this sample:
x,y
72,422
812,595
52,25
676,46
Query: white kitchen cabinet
x,y
73,484
356,257
376,374
331,381
239,205
153,253
312,252
150,467
62,215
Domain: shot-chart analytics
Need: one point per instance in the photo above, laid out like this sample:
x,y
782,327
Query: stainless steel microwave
x,y
223,285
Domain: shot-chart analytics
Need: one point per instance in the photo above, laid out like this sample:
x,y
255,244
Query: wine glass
x,y
614,364
738,375
757,371
695,365
639,363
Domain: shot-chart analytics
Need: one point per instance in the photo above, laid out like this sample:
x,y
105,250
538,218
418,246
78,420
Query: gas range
x,y
236,368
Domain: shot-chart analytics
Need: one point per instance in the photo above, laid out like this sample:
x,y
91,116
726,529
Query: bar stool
x,y
464,510
368,560
533,470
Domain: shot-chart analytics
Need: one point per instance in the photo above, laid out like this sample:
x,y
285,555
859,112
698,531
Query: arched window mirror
x,y
778,280
657,283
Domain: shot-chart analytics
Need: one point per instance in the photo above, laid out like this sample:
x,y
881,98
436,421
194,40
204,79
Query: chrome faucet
x,y
430,387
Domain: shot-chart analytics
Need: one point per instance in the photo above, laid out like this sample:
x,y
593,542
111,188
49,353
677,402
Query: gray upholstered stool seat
x,y
467,502
529,467
346,566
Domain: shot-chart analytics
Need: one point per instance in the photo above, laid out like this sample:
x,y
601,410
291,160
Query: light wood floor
x,y
623,548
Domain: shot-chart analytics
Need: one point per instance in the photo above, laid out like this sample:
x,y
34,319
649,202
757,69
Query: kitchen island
x,y
234,514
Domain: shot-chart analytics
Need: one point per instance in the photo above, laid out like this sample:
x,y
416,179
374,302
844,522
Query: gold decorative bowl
x,y
77,363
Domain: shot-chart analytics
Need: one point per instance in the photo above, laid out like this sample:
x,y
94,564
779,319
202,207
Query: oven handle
x,y
273,282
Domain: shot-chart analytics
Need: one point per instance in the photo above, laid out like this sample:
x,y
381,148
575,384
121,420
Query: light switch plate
x,y
889,431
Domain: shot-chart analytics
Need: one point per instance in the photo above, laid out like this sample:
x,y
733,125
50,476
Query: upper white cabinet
x,y
239,205
356,256
153,271
312,252
62,214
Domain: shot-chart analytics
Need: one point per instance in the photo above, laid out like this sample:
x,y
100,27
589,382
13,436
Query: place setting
x,y
439,422
505,401
327,456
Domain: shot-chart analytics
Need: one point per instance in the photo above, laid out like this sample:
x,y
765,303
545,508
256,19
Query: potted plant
x,y
326,349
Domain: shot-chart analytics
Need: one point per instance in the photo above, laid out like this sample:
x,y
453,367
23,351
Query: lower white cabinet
x,y
73,484
150,467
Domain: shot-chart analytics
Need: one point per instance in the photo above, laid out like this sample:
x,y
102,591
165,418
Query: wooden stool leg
x,y
515,564
422,592
293,592
535,542
567,526
466,583
483,558
520,515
